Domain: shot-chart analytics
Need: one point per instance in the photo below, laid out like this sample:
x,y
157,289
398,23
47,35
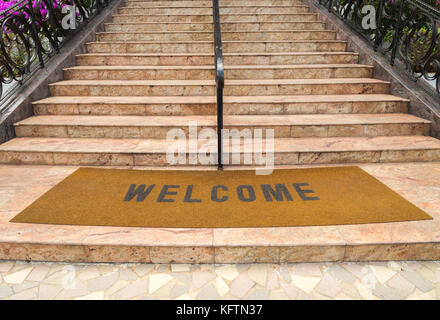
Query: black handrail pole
x,y
219,80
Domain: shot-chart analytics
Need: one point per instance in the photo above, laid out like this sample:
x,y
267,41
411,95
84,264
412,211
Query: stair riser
x,y
242,90
298,73
280,131
209,3
258,47
223,3
305,89
155,27
122,47
194,74
190,36
208,60
207,11
281,17
228,47
287,158
166,11
226,36
108,90
236,74
162,19
306,17
275,26
229,109
236,27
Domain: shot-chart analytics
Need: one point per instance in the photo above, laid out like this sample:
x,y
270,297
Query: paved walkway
x,y
381,280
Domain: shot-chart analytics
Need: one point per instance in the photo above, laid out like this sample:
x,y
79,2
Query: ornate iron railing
x,y
402,30
34,30
219,80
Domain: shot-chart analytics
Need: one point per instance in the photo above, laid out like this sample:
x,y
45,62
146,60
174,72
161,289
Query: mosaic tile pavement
x,y
378,280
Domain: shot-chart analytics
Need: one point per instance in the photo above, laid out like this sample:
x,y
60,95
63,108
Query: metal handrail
x,y
219,80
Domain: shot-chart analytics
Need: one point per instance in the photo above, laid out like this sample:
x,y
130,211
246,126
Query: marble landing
x,y
416,240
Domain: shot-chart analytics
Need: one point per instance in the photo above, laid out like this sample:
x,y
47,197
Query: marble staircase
x,y
152,70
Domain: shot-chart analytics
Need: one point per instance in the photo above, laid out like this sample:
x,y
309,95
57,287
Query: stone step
x,y
226,27
208,10
226,36
208,3
207,87
199,59
206,105
269,26
164,18
153,152
208,72
284,126
208,46
305,86
133,88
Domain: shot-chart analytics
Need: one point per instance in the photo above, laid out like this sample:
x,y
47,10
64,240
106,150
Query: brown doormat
x,y
212,199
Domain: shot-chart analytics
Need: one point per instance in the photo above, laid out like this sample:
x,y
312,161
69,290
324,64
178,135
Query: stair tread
x,y
133,82
236,120
203,67
210,32
212,82
333,144
212,99
226,41
212,54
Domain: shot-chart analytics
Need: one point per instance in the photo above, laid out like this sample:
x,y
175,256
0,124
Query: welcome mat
x,y
225,199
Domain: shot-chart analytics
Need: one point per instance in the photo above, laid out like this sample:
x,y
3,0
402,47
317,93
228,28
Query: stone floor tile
x,y
102,283
5,291
48,291
162,268
306,284
24,295
341,274
199,279
291,292
92,296
157,281
419,295
6,266
273,282
241,286
133,290
17,277
416,279
284,274
116,287
185,297
278,294
329,286
356,269
400,283
127,274
306,269
258,294
388,293
350,291
209,292
383,274
142,269
39,272
222,287
228,272
178,290
180,267
24,286
89,273
258,273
